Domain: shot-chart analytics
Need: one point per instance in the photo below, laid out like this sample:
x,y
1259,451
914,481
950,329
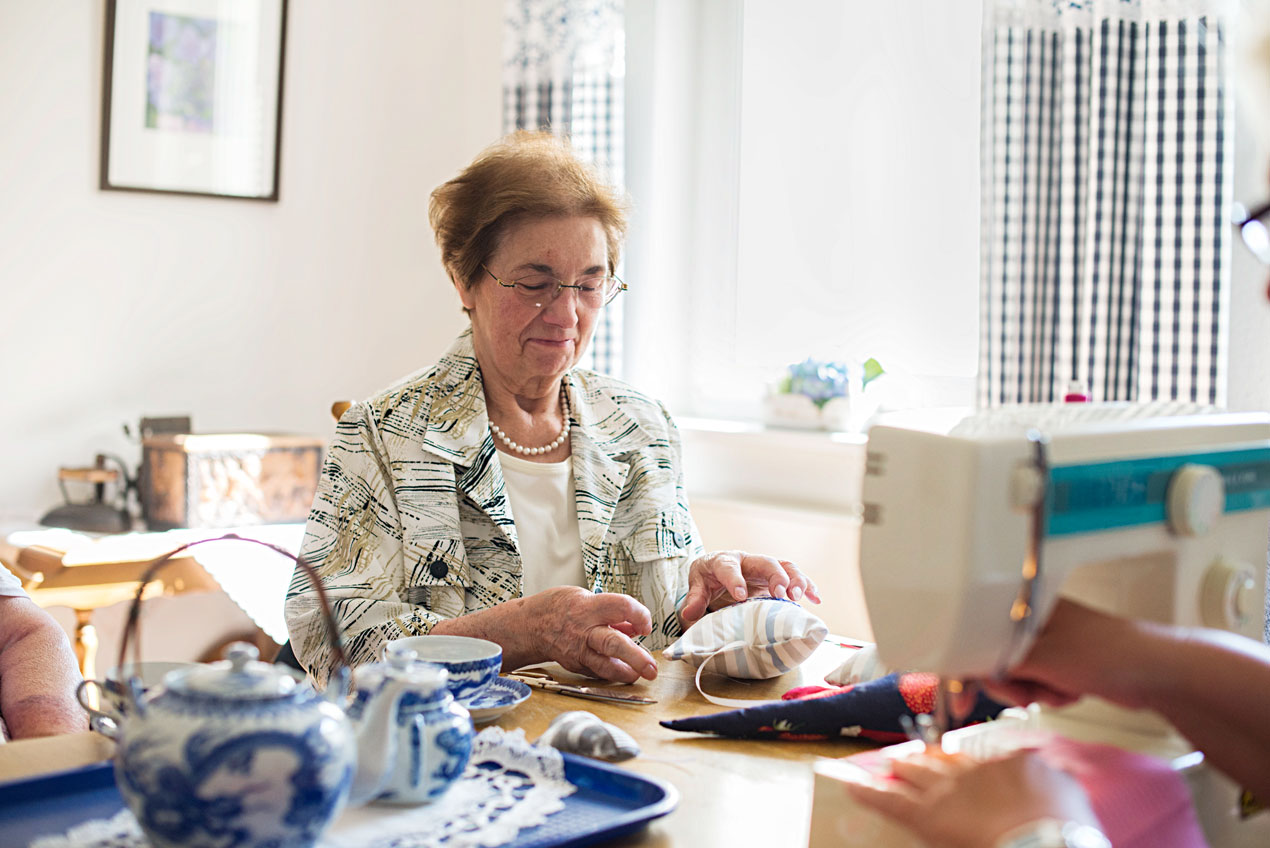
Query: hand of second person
x,y
590,633
1066,660
956,801
721,578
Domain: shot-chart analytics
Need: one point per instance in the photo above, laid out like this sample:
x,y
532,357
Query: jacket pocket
x,y
663,535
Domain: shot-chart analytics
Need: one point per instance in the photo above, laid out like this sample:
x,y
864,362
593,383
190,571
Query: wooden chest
x,y
228,479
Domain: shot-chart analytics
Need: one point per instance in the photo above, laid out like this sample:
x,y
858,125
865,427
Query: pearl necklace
x,y
548,448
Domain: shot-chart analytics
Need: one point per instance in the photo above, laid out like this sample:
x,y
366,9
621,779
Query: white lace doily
x,y
509,785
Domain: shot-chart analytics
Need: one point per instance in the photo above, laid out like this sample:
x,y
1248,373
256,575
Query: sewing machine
x,y
971,535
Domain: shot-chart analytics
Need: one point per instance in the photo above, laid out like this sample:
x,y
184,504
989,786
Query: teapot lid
x,y
240,676
403,664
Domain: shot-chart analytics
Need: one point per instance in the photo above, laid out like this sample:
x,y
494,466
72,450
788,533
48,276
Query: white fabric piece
x,y
755,639
484,808
546,517
861,666
253,577
10,585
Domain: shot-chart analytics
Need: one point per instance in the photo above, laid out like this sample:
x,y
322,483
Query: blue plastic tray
x,y
610,802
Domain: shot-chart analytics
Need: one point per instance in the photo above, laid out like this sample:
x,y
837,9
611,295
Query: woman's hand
x,y
955,801
725,577
588,633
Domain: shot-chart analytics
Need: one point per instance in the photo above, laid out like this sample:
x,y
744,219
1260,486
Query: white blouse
x,y
541,495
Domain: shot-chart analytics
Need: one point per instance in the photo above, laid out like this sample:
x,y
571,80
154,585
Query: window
x,y
806,182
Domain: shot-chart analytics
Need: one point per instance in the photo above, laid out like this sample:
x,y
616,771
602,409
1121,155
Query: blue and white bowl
x,y
473,664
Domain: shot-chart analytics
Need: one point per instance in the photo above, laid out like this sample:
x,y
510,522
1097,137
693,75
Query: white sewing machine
x,y
971,535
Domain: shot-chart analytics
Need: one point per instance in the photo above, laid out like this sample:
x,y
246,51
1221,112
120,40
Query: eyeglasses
x,y
540,289
1254,227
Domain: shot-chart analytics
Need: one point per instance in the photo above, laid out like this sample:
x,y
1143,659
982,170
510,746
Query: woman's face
x,y
521,346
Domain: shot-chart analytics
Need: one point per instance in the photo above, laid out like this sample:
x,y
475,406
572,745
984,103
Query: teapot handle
x,y
132,629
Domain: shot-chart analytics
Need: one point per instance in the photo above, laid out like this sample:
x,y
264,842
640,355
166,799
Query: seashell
x,y
581,732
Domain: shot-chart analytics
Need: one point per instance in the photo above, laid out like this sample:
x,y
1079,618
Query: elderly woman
x,y
504,493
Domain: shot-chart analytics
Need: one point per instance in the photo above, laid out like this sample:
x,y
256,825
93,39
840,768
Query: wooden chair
x,y
339,408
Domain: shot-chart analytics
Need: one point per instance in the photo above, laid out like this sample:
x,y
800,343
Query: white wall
x,y
246,315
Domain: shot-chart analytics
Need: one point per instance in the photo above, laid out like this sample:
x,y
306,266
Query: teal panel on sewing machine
x,y
1098,496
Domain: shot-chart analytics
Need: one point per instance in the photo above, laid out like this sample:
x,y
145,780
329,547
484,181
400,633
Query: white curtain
x,y
1107,165
563,71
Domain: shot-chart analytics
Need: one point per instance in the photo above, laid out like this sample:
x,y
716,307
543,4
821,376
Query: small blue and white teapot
x,y
238,752
429,737
246,753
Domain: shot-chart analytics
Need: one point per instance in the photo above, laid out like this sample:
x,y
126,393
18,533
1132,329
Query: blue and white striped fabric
x,y
755,639
1106,178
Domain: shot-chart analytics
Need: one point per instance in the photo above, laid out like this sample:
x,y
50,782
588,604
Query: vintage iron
x,y
98,515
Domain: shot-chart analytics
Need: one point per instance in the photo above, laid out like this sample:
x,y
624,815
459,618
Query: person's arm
x,y
586,632
38,673
1213,686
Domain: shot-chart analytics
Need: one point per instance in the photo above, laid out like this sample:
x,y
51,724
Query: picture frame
x,y
192,97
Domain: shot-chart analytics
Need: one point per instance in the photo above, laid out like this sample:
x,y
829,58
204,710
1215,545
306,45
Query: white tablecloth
x,y
255,578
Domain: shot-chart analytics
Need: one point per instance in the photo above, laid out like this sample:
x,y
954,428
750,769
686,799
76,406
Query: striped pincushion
x,y
755,639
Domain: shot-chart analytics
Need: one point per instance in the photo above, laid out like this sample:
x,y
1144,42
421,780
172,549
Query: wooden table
x,y
732,792
89,573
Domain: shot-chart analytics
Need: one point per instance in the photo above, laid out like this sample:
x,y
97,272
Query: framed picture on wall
x,y
192,97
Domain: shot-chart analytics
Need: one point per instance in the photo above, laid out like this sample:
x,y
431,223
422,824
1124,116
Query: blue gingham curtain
x,y
1106,179
563,71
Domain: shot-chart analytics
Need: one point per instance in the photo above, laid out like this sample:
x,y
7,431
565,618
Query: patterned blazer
x,y
411,523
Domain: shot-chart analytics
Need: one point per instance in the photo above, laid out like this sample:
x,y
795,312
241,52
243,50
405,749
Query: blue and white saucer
x,y
501,695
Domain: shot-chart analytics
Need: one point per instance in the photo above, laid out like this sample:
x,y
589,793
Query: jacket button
x,y
438,569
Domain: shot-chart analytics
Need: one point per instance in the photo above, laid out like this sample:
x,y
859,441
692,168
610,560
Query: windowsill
x,y
939,419
817,470
740,461
728,426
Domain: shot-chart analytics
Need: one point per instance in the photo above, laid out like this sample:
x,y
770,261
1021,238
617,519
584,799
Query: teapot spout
x,y
374,718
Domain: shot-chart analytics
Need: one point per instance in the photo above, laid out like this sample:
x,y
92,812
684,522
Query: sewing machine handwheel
x,y
1196,499
1229,596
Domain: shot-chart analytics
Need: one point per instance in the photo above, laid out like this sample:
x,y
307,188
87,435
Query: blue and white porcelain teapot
x,y
237,753
245,753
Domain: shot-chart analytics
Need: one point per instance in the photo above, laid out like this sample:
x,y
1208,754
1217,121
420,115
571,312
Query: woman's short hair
x,y
524,175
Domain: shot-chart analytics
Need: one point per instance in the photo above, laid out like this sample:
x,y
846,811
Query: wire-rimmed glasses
x,y
539,288
1254,228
